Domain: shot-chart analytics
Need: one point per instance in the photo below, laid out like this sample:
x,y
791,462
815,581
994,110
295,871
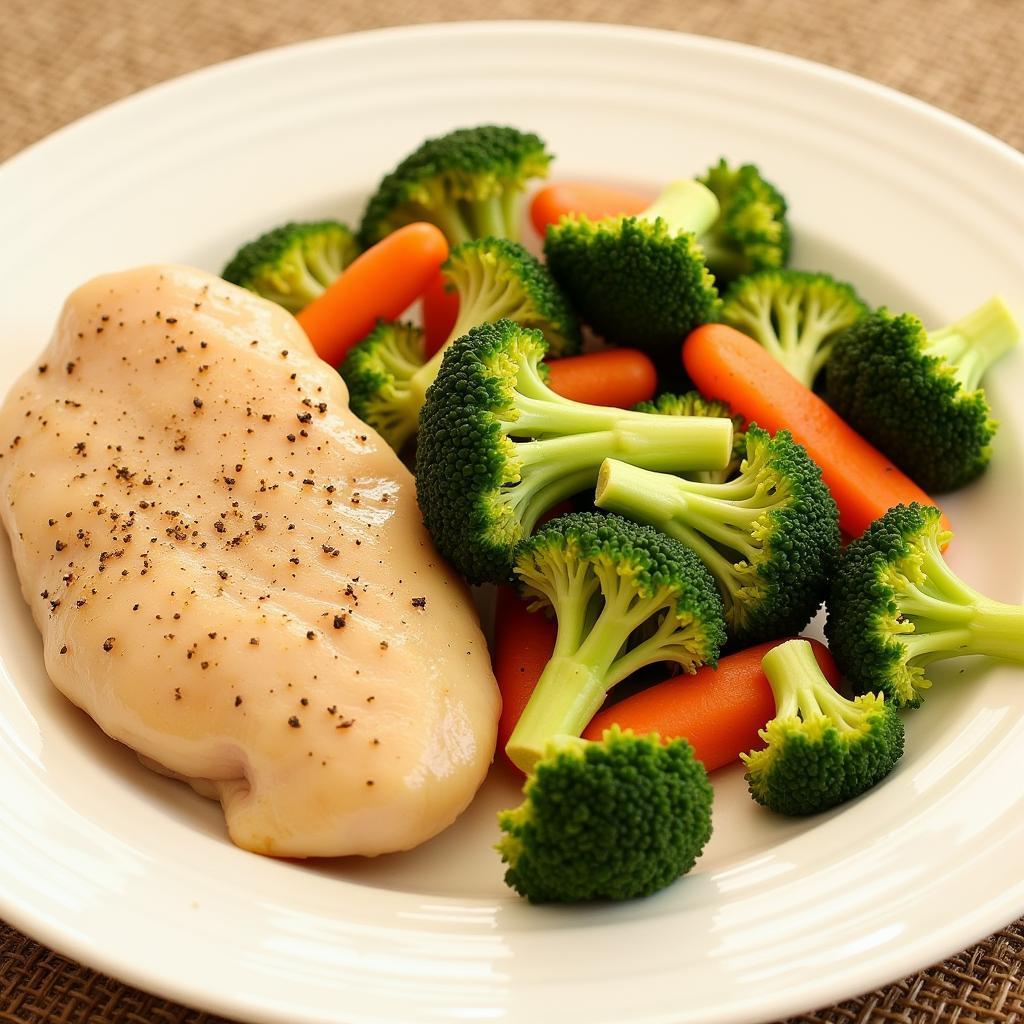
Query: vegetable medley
x,y
671,505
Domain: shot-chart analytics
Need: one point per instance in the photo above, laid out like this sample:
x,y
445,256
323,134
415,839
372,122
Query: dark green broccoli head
x,y
496,279
498,448
795,315
615,819
896,607
636,282
915,394
469,183
752,232
770,536
379,371
693,403
820,748
295,263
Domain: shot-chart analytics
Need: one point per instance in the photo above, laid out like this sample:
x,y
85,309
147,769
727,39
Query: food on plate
x,y
293,264
693,403
640,280
769,536
583,199
916,395
612,819
494,279
469,182
728,365
795,314
896,607
230,573
379,285
498,448
622,377
624,816
820,749
720,710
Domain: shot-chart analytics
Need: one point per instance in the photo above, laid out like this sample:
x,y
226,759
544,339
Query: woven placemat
x,y
60,59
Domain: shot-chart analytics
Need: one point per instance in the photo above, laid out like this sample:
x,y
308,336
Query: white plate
x,y
132,873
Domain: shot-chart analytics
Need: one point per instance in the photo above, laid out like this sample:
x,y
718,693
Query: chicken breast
x,y
230,573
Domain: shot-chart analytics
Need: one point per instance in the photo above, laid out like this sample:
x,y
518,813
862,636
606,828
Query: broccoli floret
x,y
295,263
915,394
470,183
895,607
795,315
375,370
625,816
770,536
498,448
693,403
820,748
614,819
640,280
494,279
752,232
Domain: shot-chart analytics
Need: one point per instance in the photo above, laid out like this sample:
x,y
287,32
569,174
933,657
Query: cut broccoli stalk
x,y
614,819
896,607
970,345
624,597
494,279
820,748
795,315
684,205
915,395
769,536
498,448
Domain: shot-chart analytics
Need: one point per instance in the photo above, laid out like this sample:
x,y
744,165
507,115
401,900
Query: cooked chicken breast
x,y
230,573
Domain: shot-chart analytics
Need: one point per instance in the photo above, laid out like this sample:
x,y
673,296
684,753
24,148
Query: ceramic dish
x,y
133,874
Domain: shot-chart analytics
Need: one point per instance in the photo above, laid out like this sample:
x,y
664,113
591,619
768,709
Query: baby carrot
x,y
523,642
719,710
379,284
726,364
554,201
619,377
440,310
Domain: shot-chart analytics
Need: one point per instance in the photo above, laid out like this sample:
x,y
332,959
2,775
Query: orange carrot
x,y
523,642
554,201
440,310
719,710
381,283
726,364
619,377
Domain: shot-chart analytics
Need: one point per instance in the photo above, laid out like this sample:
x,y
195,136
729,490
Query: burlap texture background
x,y
60,59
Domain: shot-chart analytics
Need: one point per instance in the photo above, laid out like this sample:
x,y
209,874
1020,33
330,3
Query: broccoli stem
x,y
974,342
685,205
488,217
800,688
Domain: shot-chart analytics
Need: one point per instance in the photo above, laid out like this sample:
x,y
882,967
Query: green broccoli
x,y
915,394
295,263
770,536
896,607
693,403
752,232
640,280
469,182
625,816
498,448
795,315
820,748
494,279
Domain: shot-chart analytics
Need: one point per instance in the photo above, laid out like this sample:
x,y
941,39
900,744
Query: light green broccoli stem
x,y
800,688
712,519
488,217
949,619
685,205
974,342
587,662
